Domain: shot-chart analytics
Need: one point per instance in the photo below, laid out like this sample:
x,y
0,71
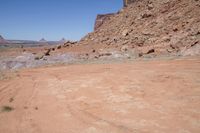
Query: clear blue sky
x,y
51,19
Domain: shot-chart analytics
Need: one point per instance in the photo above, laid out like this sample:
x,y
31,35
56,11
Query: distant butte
x,y
63,40
42,40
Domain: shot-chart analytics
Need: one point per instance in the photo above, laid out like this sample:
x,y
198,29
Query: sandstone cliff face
x,y
127,2
158,27
101,18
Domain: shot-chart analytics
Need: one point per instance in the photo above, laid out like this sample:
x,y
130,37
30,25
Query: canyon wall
x,y
127,2
101,18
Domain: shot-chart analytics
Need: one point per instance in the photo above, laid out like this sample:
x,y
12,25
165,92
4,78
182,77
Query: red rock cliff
x,y
101,18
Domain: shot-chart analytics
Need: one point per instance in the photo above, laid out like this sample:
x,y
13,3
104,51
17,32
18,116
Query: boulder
x,y
125,32
39,56
59,47
124,48
47,53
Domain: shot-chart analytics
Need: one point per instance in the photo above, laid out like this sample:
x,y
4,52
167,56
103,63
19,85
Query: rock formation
x,y
127,2
101,18
2,40
43,42
63,40
150,27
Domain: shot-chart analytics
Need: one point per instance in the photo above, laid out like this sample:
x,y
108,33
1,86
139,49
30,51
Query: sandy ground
x,y
134,97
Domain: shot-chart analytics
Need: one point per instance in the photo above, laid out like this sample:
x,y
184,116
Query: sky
x,y
51,19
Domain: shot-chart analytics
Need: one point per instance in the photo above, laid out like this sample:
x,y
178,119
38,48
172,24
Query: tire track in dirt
x,y
26,119
91,99
83,116
4,90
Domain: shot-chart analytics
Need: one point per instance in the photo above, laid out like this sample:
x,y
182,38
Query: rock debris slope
x,y
157,27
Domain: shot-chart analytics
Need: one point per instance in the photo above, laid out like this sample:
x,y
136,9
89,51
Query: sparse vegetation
x,y
2,75
6,75
7,109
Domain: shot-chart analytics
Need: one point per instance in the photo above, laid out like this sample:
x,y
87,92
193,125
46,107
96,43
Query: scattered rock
x,y
175,29
11,99
125,32
124,48
59,47
93,51
146,15
66,45
147,50
151,51
194,43
47,53
104,54
39,57
150,6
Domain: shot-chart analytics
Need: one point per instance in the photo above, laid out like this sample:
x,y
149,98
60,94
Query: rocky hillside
x,y
2,40
155,27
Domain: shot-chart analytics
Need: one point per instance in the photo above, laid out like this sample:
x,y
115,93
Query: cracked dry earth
x,y
133,97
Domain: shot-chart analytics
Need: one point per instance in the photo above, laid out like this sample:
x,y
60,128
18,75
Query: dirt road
x,y
135,97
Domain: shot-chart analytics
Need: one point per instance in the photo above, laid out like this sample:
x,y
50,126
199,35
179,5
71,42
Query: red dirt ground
x,y
160,96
